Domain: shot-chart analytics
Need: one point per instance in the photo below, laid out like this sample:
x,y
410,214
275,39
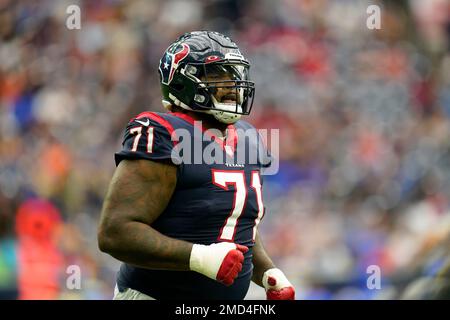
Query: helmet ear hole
x,y
199,98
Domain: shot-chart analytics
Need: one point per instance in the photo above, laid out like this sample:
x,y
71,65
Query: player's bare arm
x,y
266,275
261,261
139,192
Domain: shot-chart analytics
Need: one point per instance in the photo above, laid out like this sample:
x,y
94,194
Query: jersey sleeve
x,y
148,136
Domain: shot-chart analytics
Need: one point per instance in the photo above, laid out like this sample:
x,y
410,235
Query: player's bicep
x,y
139,191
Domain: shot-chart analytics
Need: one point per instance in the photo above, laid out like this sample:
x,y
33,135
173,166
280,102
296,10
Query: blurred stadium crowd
x,y
363,116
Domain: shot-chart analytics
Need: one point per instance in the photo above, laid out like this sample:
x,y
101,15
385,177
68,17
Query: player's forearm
x,y
261,261
140,245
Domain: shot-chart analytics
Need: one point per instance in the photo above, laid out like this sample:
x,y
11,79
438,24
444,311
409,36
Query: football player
x,y
187,229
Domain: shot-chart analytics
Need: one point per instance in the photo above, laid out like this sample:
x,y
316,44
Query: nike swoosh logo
x,y
145,124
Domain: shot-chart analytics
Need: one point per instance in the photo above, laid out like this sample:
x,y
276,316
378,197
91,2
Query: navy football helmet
x,y
204,71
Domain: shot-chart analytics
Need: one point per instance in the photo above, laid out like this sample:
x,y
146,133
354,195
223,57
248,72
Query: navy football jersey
x,y
213,201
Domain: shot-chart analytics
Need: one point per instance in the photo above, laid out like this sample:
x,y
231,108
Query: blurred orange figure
x,y
39,259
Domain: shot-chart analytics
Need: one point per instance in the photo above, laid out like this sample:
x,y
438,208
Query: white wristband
x,y
208,259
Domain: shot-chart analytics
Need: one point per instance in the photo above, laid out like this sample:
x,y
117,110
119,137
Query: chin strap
x,y
222,115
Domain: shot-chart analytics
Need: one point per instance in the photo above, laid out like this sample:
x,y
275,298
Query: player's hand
x,y
219,261
277,285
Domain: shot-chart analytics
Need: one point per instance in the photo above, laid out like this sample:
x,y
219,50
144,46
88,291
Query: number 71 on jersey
x,y
223,178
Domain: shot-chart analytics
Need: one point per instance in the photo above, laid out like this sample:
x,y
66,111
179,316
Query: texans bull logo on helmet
x,y
169,62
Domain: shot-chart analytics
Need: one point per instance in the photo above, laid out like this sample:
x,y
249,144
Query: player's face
x,y
224,82
224,94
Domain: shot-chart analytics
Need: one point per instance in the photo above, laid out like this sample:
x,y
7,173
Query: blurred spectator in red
x,y
40,262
